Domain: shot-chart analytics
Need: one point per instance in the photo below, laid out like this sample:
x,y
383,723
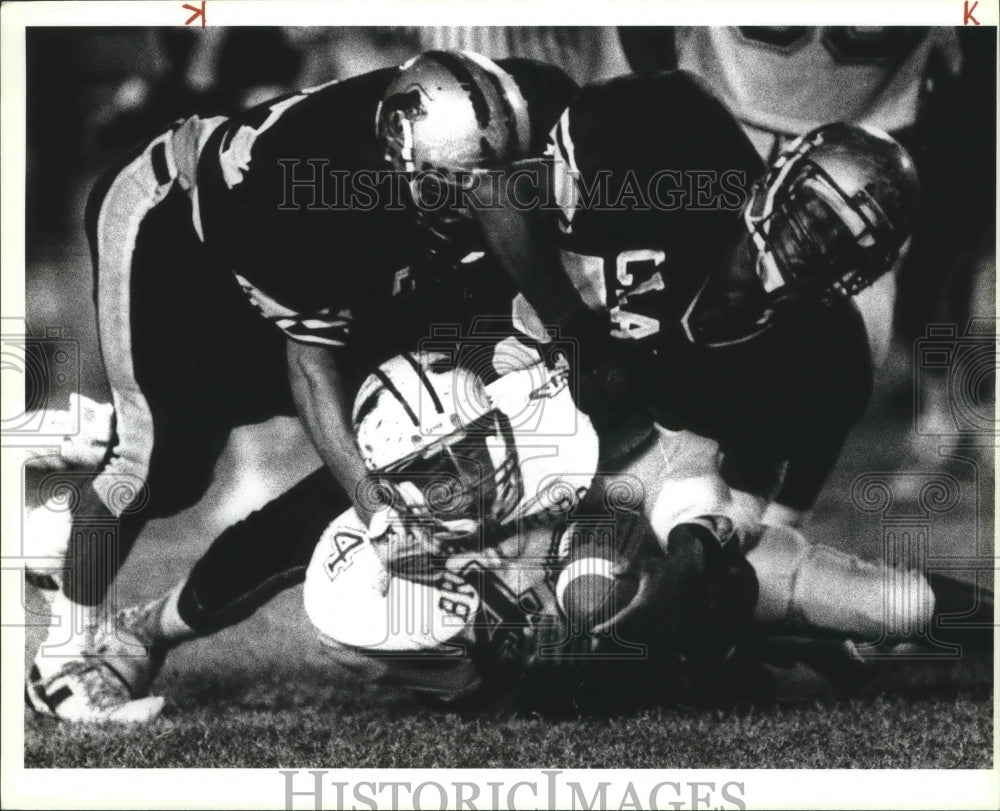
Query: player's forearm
x,y
323,402
531,261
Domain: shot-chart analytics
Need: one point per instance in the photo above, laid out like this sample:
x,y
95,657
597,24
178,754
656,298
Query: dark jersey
x,y
295,196
650,173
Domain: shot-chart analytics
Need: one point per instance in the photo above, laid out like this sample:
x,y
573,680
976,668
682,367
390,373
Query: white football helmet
x,y
468,457
429,429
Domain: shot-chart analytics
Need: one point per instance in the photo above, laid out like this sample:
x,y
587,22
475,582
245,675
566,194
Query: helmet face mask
x,y
832,214
427,430
440,207
811,227
829,217
471,475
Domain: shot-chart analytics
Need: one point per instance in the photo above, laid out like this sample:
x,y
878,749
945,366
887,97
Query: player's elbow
x,y
312,365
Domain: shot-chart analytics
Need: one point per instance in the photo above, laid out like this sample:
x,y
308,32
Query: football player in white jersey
x,y
451,590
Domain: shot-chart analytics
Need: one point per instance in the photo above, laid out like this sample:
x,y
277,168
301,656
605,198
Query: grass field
x,y
272,717
258,695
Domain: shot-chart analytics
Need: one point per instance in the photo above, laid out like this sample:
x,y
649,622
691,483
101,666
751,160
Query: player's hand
x,y
695,603
404,547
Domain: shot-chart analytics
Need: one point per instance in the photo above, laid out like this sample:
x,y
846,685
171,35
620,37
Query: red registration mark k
x,y
966,16
200,12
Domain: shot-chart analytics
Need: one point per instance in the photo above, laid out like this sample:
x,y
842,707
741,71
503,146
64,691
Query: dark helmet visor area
x,y
822,242
458,476
441,208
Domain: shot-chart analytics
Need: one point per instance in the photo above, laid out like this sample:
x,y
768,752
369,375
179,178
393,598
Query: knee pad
x,y
814,586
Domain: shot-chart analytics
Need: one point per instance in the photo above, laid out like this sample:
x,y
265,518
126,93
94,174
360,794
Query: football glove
x,y
692,605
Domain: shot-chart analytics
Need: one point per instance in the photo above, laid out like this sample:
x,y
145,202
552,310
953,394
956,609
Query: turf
x,y
277,723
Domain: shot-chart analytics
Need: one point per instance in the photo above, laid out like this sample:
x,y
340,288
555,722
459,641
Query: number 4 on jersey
x,y
637,272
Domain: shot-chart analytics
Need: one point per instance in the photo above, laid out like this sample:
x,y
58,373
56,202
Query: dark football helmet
x,y
446,116
832,213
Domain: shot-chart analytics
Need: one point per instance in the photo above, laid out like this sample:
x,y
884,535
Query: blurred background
x,y
92,93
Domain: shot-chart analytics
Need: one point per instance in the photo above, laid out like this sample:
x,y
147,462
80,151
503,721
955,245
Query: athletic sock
x,y
158,621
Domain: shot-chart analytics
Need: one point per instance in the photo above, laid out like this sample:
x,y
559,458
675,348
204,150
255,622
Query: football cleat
x,y
88,690
130,649
109,680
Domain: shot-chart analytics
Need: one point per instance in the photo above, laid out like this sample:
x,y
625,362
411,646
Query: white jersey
x,y
787,80
476,613
478,616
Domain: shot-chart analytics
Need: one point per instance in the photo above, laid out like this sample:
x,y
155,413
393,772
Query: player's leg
x,y
679,476
813,588
161,453
245,566
241,378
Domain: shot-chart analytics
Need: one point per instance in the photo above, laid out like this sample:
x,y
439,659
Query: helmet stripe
x,y
425,380
493,73
455,64
391,388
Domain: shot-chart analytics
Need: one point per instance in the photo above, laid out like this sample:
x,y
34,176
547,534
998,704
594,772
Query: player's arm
x,y
317,342
514,229
609,376
820,442
805,475
323,401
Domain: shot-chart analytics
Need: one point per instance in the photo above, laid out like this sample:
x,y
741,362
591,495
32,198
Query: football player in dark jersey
x,y
649,179
288,211
738,321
